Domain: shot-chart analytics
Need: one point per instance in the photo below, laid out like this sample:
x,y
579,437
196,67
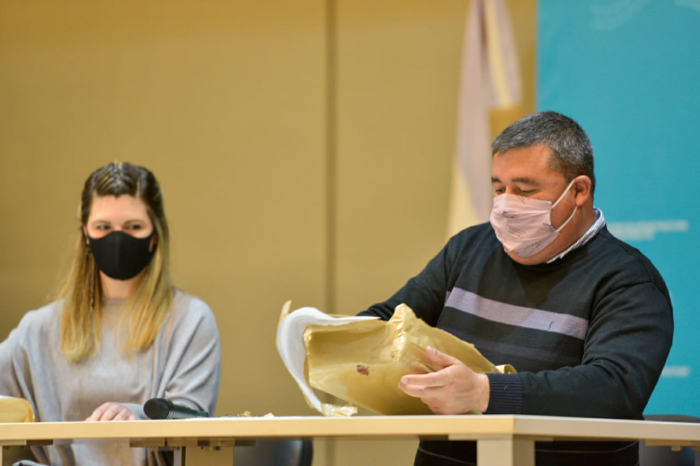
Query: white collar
x,y
587,236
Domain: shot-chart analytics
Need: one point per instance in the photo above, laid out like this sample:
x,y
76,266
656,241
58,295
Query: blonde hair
x,y
81,294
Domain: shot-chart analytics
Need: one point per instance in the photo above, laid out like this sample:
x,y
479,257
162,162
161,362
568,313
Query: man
x,y
585,318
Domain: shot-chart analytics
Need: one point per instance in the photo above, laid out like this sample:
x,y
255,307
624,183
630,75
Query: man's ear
x,y
582,189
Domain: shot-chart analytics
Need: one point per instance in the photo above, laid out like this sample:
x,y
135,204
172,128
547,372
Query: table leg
x,y
507,451
207,456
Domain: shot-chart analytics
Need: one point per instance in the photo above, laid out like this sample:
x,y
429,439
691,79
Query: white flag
x,y
490,82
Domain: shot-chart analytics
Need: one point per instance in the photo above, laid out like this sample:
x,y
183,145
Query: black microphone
x,y
160,408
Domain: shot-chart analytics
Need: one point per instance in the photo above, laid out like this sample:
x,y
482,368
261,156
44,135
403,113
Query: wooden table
x,y
501,440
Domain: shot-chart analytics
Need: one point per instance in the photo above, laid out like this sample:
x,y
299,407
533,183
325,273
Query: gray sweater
x,y
183,365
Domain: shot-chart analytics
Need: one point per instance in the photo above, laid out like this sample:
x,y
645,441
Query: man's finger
x,y
415,391
427,395
434,379
444,360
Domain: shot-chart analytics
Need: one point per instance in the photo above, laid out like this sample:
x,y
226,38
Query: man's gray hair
x,y
571,153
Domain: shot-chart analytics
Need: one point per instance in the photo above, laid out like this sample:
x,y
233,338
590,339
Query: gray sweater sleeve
x,y
192,370
17,368
7,379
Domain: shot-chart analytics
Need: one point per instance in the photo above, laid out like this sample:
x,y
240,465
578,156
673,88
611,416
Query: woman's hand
x,y
111,412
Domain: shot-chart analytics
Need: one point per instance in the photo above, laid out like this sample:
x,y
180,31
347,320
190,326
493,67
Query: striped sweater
x,y
589,333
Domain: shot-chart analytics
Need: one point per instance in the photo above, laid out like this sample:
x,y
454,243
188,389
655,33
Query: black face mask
x,y
120,255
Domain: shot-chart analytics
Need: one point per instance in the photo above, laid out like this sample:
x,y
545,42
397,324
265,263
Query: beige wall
x,y
279,183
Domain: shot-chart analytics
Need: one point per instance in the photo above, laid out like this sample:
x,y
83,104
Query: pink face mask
x,y
524,225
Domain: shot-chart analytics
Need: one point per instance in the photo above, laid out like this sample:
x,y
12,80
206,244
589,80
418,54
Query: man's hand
x,y
111,412
455,389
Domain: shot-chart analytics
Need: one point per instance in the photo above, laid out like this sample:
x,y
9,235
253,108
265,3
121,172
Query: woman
x,y
119,333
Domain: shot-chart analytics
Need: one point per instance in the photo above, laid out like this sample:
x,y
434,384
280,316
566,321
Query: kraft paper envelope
x,y
361,360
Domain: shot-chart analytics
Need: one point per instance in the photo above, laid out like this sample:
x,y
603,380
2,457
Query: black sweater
x,y
588,334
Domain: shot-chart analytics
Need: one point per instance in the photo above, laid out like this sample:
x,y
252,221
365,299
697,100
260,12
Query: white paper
x,y
290,343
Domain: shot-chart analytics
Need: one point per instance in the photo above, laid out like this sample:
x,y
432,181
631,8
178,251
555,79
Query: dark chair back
x,y
665,456
274,453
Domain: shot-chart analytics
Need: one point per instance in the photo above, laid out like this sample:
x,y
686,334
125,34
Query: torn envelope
x,y
361,359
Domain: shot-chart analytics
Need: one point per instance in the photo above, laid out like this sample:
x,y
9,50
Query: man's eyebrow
x,y
524,180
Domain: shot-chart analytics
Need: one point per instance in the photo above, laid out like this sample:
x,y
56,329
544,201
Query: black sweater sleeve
x,y
625,350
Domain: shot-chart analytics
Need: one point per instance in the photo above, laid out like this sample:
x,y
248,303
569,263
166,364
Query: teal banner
x,y
629,72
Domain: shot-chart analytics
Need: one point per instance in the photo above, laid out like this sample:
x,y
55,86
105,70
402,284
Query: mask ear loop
x,y
564,193
572,213
88,253
567,220
92,289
